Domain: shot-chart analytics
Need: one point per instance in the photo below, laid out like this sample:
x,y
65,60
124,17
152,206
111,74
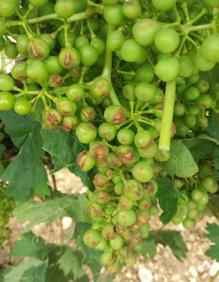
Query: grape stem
x,y
76,17
107,70
167,118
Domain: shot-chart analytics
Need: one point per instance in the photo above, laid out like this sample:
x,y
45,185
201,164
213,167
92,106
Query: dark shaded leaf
x,y
30,246
32,270
213,231
172,239
62,146
167,196
26,174
36,213
71,263
148,248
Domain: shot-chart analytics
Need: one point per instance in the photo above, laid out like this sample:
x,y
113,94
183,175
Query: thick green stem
x,y
107,70
167,118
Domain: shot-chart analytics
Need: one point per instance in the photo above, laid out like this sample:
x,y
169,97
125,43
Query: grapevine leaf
x,y
61,145
181,162
147,248
26,166
25,133
91,257
36,213
213,130
21,128
211,76
174,240
30,246
71,263
200,148
1,136
213,231
167,196
33,270
213,205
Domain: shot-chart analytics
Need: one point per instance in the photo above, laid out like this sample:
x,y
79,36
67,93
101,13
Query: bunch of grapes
x,y
124,77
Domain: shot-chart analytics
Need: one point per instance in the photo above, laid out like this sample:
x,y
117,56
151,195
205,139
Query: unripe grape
x,y
164,5
131,9
115,114
7,101
125,136
116,243
145,92
91,238
127,155
85,161
38,49
100,88
87,114
65,107
22,106
86,132
113,14
145,30
65,8
126,217
94,211
6,82
108,231
107,131
210,184
143,139
8,8
99,151
69,58
128,91
167,40
133,190
167,69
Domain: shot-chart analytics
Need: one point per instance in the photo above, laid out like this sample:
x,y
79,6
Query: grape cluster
x,y
124,77
194,196
196,97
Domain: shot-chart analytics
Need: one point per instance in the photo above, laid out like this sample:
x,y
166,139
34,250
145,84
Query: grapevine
x,y
126,78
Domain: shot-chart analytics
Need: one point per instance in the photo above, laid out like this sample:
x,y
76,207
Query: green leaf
x,y
213,231
213,130
181,162
167,196
213,205
91,256
30,246
148,248
71,263
2,135
200,148
33,270
209,138
62,146
174,240
21,127
26,175
35,213
211,76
